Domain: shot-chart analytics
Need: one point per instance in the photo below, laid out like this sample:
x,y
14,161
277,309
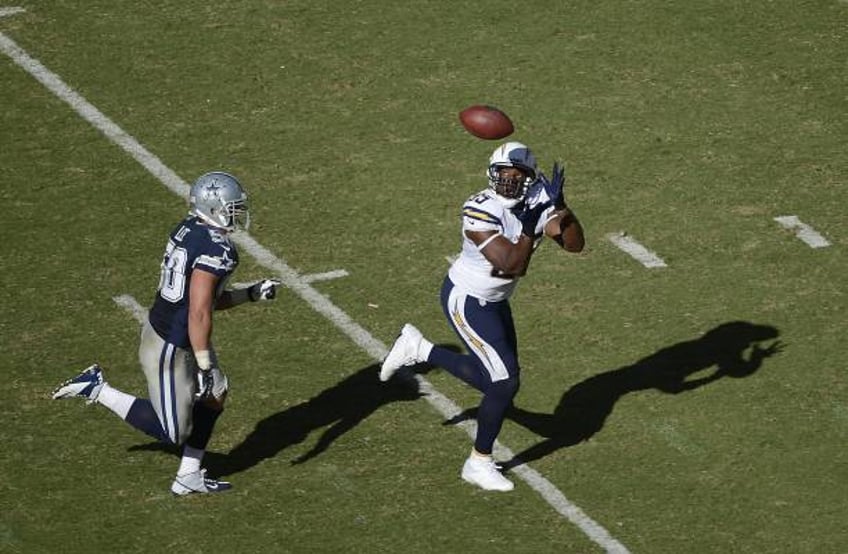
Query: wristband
x,y
204,359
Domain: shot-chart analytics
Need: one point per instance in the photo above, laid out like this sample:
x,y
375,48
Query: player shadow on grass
x,y
339,408
584,408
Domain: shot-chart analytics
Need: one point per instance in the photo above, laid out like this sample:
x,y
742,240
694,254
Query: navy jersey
x,y
192,245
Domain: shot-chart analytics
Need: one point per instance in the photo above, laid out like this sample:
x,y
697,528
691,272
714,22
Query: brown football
x,y
486,122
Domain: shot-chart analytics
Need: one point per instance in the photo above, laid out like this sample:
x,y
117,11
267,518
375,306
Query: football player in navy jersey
x,y
501,227
186,386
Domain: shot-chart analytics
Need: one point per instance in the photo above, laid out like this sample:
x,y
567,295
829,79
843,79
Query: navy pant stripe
x,y
174,413
162,404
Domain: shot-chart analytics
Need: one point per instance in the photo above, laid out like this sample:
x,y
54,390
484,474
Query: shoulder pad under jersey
x,y
484,209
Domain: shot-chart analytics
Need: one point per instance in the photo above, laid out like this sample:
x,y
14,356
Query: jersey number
x,y
172,280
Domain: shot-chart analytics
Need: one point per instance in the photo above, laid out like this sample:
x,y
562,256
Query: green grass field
x,y
687,125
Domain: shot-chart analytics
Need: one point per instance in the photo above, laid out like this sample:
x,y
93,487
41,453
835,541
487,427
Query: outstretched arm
x,y
265,289
564,228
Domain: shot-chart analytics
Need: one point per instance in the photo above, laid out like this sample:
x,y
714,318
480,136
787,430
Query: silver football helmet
x,y
512,154
219,200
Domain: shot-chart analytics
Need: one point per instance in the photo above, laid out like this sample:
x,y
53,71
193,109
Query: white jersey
x,y
484,212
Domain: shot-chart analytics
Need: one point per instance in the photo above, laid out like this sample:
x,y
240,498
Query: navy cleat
x,y
87,385
197,482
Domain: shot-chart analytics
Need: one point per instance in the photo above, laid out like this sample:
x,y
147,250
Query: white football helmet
x,y
219,200
511,154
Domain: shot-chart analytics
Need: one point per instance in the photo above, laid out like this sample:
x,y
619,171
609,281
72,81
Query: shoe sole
x,y
73,389
186,491
477,484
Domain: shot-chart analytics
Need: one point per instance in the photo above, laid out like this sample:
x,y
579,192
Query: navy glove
x,y
555,186
529,218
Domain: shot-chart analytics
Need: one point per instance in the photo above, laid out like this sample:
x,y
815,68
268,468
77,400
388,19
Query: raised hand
x,y
529,218
265,289
556,186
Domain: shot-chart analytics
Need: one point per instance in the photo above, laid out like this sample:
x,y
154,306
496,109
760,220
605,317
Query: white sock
x,y
424,349
117,401
478,456
191,460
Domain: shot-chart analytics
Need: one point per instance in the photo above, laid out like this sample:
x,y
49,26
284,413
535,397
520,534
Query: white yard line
x,y
637,251
803,231
361,337
5,12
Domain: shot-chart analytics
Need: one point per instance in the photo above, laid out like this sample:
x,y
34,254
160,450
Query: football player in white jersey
x,y
501,227
186,386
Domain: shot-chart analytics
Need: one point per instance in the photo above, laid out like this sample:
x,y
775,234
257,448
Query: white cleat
x,y
403,352
87,385
198,483
484,473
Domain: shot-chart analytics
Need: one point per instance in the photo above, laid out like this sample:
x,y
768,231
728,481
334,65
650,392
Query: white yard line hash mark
x,y
327,276
294,281
5,12
803,231
636,250
132,306
309,278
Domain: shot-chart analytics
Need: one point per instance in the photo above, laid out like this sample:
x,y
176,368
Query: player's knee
x,y
506,389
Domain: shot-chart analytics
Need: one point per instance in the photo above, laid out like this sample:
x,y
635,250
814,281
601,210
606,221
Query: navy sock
x,y
490,415
143,417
